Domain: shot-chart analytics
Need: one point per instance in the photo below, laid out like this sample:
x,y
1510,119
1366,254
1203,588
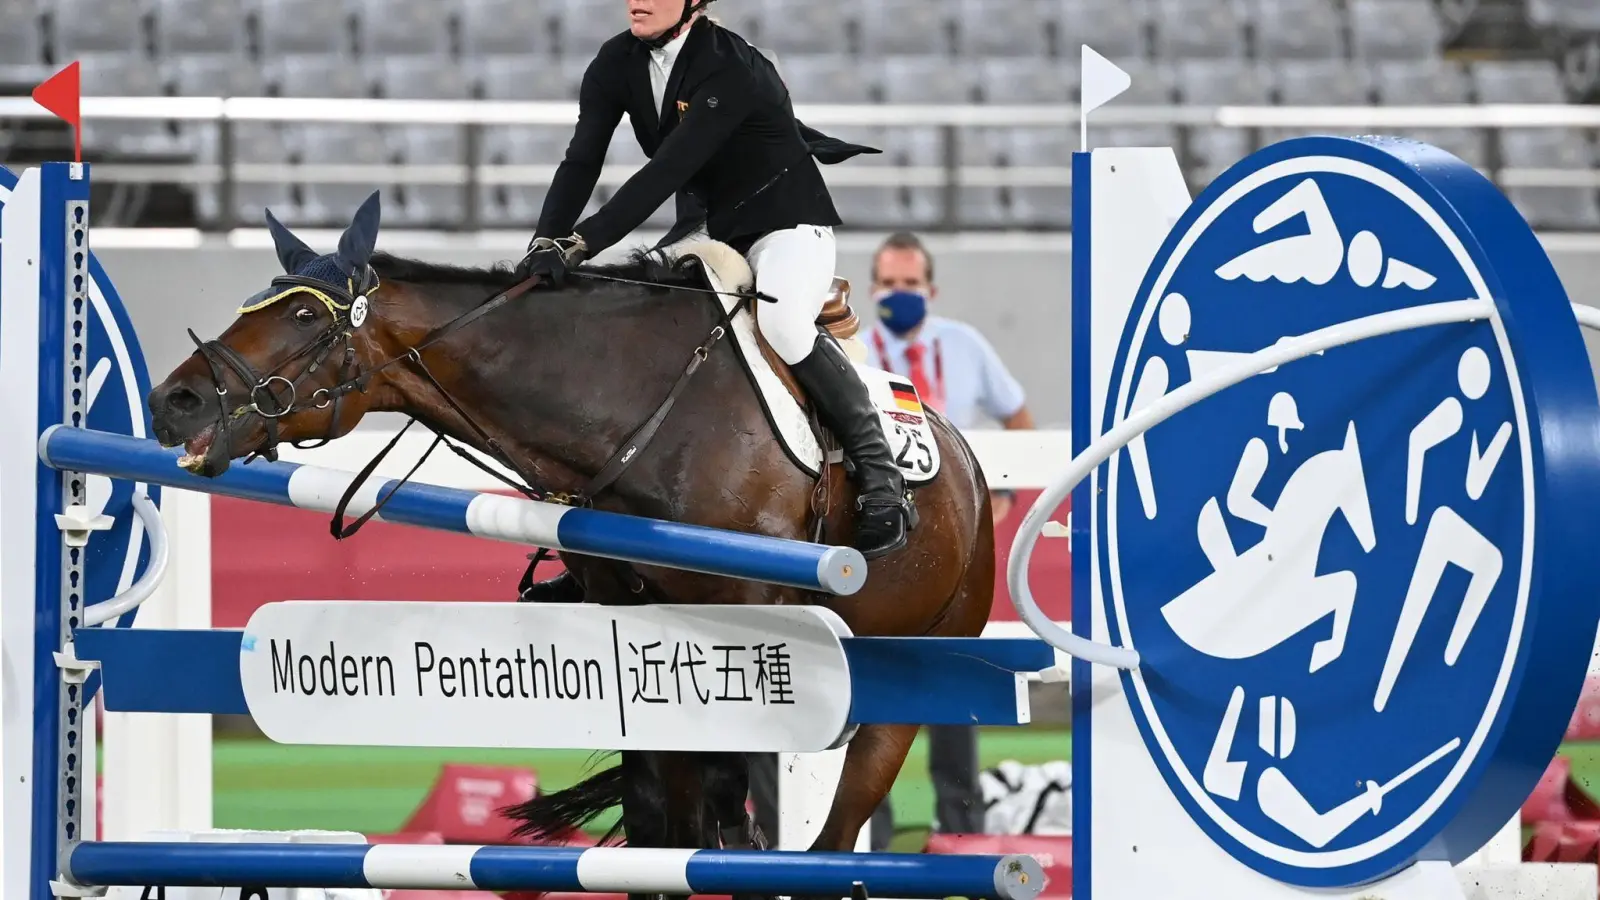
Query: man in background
x,y
957,372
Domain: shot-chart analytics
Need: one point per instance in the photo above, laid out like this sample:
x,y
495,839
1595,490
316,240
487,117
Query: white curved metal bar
x,y
140,590
1109,443
1588,316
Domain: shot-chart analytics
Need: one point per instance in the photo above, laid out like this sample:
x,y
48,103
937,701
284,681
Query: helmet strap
x,y
690,7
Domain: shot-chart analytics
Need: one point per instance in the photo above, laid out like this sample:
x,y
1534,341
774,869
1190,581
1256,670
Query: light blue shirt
x,y
976,383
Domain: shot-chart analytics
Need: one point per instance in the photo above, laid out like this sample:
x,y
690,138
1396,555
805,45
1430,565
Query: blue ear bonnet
x,y
323,268
347,268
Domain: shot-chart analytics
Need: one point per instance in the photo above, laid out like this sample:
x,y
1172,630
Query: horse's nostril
x,y
183,400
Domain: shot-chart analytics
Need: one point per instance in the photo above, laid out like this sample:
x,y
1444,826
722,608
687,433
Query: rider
x,y
729,143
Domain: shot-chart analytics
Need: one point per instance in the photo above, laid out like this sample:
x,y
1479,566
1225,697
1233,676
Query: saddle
x,y
900,411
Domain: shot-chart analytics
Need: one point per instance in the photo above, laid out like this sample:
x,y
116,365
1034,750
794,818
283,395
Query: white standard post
x,y
806,784
158,768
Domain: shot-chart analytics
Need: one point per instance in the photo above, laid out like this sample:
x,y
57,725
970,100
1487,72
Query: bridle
x,y
349,306
262,389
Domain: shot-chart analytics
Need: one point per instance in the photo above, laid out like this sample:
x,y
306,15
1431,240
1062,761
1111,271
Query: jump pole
x,y
735,554
593,870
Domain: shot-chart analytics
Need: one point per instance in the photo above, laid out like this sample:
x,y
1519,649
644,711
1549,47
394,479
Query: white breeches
x,y
794,266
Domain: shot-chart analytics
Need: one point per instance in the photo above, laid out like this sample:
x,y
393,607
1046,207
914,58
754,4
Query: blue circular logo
x,y
118,385
1339,573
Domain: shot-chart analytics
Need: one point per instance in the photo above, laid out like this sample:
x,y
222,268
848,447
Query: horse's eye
x,y
305,315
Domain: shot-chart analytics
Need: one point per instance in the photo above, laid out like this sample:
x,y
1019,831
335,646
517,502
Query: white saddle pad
x,y
900,411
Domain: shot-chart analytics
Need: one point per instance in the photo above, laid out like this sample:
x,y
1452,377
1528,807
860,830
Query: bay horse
x,y
551,381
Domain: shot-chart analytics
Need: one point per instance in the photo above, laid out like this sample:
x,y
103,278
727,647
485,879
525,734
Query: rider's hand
x,y
552,258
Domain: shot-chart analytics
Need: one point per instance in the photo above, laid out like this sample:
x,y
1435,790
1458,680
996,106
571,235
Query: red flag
x,y
60,94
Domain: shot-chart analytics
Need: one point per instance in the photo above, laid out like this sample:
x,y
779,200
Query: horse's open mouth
x,y
197,448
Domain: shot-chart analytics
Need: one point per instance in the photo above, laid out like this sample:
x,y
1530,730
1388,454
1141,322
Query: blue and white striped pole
x,y
592,870
837,570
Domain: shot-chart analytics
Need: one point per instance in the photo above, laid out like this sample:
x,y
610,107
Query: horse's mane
x,y
640,265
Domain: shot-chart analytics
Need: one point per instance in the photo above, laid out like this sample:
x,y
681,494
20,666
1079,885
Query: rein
x,y
348,315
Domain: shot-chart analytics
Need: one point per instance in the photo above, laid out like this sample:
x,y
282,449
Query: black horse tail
x,y
554,816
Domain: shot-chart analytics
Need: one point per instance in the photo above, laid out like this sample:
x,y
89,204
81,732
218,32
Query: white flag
x,y
1102,80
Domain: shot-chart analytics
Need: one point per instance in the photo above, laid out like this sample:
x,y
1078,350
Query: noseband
x,y
348,307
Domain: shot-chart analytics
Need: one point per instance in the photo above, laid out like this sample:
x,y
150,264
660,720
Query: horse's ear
x,y
292,252
358,241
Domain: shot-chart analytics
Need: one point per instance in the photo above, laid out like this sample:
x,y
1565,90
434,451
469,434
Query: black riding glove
x,y
552,258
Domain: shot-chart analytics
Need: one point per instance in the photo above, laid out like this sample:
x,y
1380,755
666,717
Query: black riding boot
x,y
561,589
830,380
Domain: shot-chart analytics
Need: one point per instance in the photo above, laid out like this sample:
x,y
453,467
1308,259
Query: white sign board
x,y
670,677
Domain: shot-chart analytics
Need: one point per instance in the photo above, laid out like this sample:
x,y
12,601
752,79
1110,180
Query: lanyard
x,y
937,400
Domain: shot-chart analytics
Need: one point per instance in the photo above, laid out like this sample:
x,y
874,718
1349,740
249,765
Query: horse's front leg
x,y
725,778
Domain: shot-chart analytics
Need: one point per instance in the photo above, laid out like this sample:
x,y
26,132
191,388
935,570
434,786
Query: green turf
x,y
263,785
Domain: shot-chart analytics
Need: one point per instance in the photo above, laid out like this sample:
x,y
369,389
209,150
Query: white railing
x,y
949,174
511,112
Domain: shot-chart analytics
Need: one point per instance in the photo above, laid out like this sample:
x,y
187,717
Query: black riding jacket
x,y
726,141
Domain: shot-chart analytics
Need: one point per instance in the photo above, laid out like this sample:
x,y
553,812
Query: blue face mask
x,y
902,311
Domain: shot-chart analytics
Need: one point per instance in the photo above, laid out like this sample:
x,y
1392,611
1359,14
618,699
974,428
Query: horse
x,y
551,380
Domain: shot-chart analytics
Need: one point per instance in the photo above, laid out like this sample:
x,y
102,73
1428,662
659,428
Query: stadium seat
x,y
1316,82
211,75
424,77
95,26
302,26
1004,27
816,26
330,204
1197,28
1394,29
1544,148
513,27
1325,82
199,26
1035,204
21,45
316,75
1420,82
419,78
583,25
428,204
389,27
905,26
529,77
1428,82
1517,81
1223,81
983,207
1152,83
253,142
124,75
1119,31
926,79
742,18
1024,79
1297,29
827,78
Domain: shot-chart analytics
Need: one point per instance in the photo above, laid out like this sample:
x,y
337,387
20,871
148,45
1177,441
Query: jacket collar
x,y
679,49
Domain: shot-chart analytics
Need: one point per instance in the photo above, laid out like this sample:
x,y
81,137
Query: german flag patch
x,y
905,396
